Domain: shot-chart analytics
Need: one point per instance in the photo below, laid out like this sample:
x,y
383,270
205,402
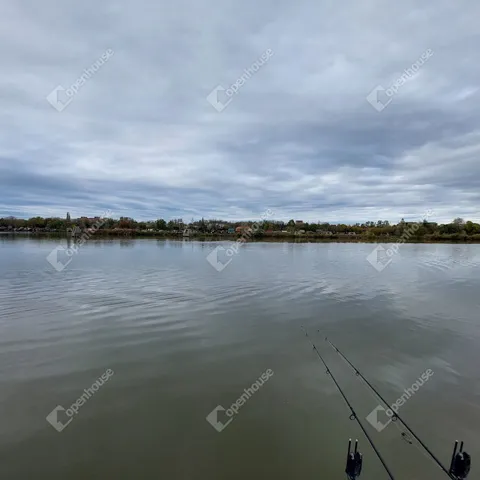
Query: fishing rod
x,y
354,460
460,462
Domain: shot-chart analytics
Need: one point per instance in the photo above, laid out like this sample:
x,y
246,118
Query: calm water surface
x,y
181,338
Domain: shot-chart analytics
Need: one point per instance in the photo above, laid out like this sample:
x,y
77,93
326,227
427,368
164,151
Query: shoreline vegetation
x,y
458,231
257,238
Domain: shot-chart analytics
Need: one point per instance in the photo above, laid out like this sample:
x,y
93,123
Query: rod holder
x,y
354,465
460,463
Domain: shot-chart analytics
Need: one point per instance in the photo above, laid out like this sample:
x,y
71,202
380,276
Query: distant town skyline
x,y
426,216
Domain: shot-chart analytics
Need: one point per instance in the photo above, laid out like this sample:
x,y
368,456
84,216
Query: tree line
x,y
457,228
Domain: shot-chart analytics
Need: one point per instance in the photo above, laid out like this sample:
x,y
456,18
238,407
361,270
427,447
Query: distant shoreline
x,y
287,238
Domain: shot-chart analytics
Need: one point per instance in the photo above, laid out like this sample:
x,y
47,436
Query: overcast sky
x,y
299,137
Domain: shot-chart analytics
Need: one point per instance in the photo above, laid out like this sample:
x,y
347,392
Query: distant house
x,y
298,223
324,232
231,230
241,228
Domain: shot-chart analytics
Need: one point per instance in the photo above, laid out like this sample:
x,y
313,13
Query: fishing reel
x,y
460,463
354,461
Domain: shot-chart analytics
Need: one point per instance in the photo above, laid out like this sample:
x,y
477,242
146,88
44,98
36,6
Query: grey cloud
x,y
141,139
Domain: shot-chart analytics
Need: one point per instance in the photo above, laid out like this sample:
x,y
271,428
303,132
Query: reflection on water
x,y
183,338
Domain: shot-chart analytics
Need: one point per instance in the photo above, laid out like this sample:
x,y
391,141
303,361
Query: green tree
x,y
109,223
36,222
161,224
202,226
472,228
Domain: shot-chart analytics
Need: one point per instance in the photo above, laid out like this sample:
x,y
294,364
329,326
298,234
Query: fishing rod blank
x,y
353,416
463,461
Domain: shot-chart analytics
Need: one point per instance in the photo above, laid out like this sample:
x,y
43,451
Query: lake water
x,y
179,338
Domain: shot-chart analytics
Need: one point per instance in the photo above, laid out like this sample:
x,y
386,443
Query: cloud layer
x,y
299,137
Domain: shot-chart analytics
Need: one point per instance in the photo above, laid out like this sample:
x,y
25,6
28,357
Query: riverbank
x,y
290,238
